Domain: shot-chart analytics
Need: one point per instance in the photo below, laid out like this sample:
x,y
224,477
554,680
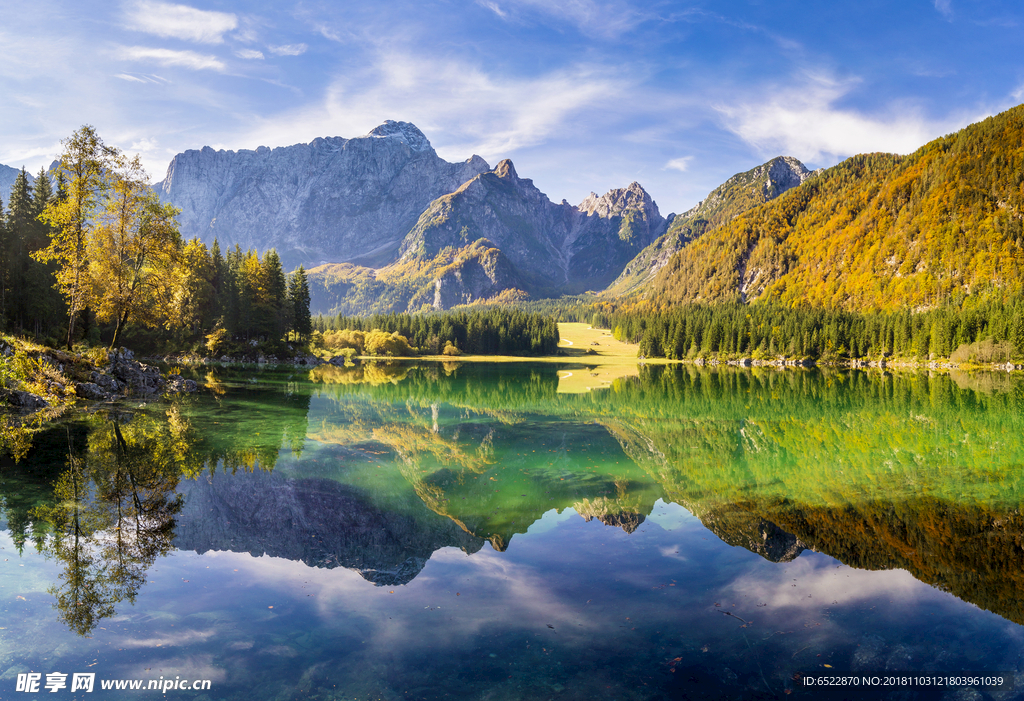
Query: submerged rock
x,y
176,384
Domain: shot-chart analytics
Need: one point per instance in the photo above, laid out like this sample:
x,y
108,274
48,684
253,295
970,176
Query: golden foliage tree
x,y
84,167
133,248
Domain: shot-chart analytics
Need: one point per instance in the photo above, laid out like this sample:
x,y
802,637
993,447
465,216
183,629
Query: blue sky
x,y
582,94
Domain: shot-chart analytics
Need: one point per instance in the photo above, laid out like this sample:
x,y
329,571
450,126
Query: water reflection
x,y
112,516
422,480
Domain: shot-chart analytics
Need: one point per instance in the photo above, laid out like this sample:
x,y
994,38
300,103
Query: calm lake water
x,y
466,532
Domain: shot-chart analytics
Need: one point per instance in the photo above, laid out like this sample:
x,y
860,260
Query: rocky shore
x,y
40,378
858,363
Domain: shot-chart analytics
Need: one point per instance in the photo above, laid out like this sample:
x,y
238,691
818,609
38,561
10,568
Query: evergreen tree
x,y
21,225
275,315
298,297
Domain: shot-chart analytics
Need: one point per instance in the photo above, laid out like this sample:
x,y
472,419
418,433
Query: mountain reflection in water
x,y
377,468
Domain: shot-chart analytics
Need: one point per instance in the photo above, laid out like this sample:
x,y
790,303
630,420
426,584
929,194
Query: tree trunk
x,y
122,321
71,328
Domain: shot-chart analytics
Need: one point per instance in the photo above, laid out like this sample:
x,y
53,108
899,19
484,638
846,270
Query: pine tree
x,y
21,226
298,297
275,313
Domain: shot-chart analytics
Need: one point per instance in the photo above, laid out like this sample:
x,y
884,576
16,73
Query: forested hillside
x,y
738,194
877,231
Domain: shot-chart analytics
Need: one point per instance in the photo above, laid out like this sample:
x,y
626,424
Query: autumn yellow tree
x,y
133,249
190,304
84,167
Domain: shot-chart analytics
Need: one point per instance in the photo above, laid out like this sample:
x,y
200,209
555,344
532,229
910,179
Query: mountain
x,y
331,200
738,194
555,248
877,231
497,237
7,177
389,226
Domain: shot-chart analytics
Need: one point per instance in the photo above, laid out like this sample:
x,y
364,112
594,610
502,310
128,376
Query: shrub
x,y
384,343
987,351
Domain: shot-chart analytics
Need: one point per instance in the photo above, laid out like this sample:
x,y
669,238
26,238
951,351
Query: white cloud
x,y
608,19
179,21
288,49
169,57
328,33
493,7
945,8
819,582
803,121
131,78
468,109
680,164
249,53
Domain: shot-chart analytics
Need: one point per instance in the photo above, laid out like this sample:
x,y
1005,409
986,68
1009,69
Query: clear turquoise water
x,y
468,533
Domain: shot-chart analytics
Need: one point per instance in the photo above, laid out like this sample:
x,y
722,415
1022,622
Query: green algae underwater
x,y
464,531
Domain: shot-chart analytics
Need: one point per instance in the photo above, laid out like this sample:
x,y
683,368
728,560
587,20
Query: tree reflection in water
x,y
112,516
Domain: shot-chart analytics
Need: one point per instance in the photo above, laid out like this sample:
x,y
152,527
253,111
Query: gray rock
x,y
106,382
333,199
139,379
26,401
91,390
176,384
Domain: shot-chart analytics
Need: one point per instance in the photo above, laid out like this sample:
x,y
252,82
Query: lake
x,y
465,531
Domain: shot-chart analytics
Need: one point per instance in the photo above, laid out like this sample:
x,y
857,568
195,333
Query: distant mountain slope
x,y
875,231
473,273
331,200
7,177
738,194
554,248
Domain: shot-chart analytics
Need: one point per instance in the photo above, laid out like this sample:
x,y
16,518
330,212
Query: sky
x,y
583,95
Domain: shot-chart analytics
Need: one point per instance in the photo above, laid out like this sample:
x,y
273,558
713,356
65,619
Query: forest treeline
x,y
981,331
486,331
88,252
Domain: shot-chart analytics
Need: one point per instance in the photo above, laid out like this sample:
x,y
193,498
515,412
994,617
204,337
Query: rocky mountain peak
x,y
406,132
505,169
615,202
784,173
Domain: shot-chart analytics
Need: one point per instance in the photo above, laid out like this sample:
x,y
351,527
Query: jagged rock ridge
x,y
331,200
554,248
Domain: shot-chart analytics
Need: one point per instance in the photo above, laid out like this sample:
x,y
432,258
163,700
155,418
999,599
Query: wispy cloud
x,y
169,57
179,21
288,49
680,164
493,7
249,54
611,18
468,108
945,8
804,121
